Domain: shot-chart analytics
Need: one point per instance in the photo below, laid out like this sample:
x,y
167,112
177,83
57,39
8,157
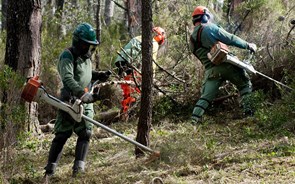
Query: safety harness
x,y
197,43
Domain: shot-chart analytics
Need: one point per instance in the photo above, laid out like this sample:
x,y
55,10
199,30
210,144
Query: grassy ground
x,y
216,151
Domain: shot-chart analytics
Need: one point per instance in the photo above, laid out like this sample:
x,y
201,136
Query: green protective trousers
x,y
65,122
213,79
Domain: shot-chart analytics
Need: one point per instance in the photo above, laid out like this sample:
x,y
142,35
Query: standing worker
x,y
75,70
130,57
203,38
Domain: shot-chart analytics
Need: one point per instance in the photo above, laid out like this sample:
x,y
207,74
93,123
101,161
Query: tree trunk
x,y
90,8
145,116
134,16
108,11
60,16
98,33
4,14
23,48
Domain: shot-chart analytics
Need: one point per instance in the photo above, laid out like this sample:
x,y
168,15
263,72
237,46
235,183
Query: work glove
x,y
87,98
95,94
103,75
122,66
252,47
95,97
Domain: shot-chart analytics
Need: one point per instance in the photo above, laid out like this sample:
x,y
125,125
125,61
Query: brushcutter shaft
x,y
278,82
248,67
118,134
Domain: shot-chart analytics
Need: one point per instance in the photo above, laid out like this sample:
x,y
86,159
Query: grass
x,y
229,151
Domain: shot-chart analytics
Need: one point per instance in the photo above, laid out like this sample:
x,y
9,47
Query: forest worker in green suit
x,y
204,36
75,70
131,55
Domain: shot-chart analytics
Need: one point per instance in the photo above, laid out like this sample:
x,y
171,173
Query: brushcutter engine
x,y
34,91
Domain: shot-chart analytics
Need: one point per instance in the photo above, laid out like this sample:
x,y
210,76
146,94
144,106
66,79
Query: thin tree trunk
x,y
109,11
60,15
145,116
98,33
134,8
91,8
4,14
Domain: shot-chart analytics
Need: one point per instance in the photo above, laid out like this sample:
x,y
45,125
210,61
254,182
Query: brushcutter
x,y
248,67
220,53
35,91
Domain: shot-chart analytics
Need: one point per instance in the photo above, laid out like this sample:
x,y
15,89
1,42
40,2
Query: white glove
x,y
87,98
252,47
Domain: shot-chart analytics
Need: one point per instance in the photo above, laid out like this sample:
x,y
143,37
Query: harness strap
x,y
197,43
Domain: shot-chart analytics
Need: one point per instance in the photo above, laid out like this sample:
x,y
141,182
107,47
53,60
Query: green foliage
x,y
113,38
165,108
9,78
280,150
2,47
11,82
279,116
253,4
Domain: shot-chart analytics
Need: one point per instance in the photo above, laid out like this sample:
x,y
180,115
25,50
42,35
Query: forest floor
x,y
215,151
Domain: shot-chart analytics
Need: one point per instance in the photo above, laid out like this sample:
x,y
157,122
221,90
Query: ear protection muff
x,y
205,18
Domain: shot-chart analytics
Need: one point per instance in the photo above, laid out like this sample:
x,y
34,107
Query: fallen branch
x,y
161,68
225,97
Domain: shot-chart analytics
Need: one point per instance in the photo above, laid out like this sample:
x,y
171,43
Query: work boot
x,y
50,169
80,155
78,168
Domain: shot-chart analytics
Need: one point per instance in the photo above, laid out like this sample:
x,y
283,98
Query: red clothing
x,y
128,91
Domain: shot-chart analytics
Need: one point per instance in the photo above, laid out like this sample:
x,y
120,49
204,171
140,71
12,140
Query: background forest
x,y
222,149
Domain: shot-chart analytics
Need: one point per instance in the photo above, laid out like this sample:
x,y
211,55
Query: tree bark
x,y
134,8
4,14
145,116
60,15
108,11
23,48
98,33
91,8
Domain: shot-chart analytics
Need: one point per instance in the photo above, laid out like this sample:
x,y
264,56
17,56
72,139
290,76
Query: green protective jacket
x,y
75,77
133,49
212,33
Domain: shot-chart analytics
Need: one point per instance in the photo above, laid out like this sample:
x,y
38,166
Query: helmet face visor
x,y
87,49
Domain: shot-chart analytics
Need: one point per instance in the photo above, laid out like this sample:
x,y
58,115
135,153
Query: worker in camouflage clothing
x,y
204,36
75,70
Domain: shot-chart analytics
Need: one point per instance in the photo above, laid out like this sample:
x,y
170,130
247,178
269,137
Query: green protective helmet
x,y
86,33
